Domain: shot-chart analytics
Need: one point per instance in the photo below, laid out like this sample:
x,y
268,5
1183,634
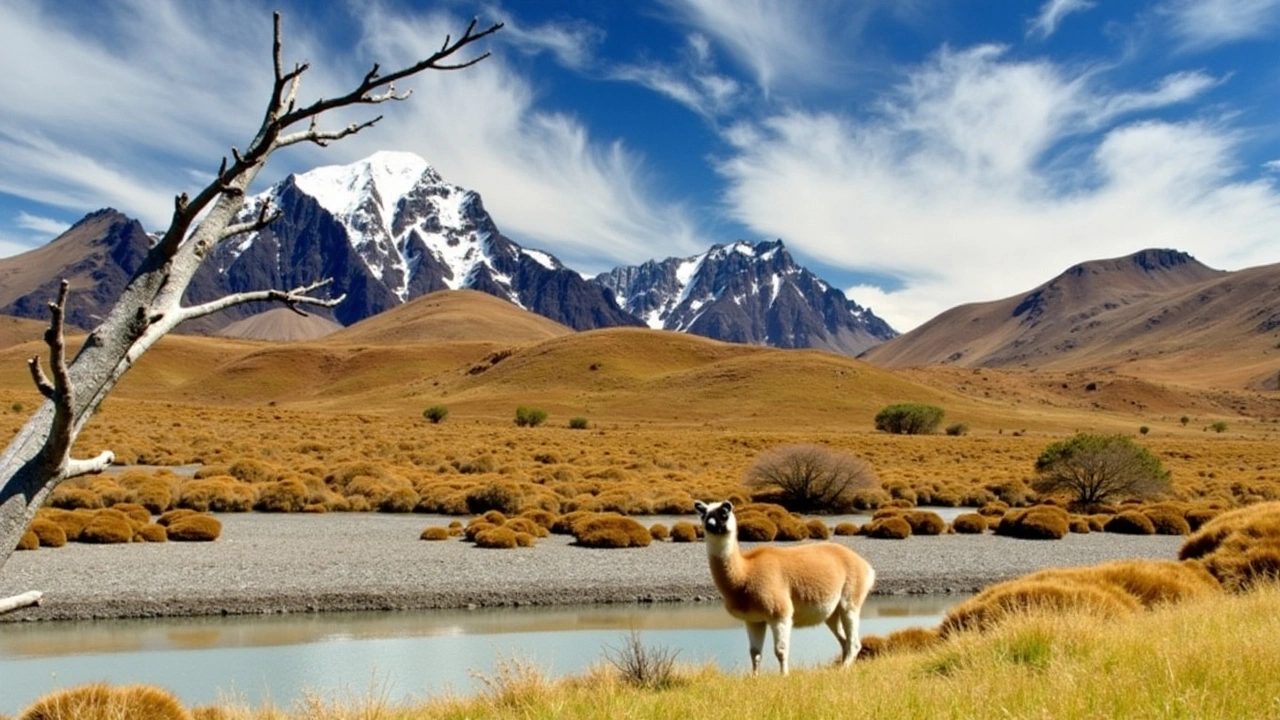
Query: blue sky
x,y
918,153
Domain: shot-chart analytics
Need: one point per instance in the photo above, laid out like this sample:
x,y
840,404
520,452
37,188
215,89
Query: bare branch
x,y
54,338
42,382
266,215
324,137
92,466
292,298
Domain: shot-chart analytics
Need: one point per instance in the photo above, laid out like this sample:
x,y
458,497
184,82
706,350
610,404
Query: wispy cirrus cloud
x,y
1202,24
43,225
573,42
694,82
956,188
1052,13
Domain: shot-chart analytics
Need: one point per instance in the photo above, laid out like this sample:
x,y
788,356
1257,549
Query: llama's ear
x,y
700,506
728,506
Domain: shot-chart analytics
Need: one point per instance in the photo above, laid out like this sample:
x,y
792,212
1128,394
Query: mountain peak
x,y
388,175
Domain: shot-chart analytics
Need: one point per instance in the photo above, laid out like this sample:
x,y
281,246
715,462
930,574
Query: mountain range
x,y
389,228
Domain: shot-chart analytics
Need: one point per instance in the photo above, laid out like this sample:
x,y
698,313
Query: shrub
x,y
48,532
909,419
496,537
924,522
1143,430
891,527
683,531
1130,522
282,496
1040,522
612,531
151,532
811,478
1094,469
1218,427
643,667
577,422
530,417
107,527
435,414
818,530
956,429
102,702
435,532
969,524
756,527
195,528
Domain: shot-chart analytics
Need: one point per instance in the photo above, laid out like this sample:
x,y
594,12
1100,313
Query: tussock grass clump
x,y
846,529
925,522
1130,522
48,533
221,493
564,525
167,518
1168,520
1039,522
398,500
497,537
1039,595
505,497
544,518
284,496
435,532
72,498
684,532
909,639
151,532
252,470
527,526
889,527
103,702
1079,524
659,532
1240,548
136,513
756,527
641,666
28,541
72,522
195,528
817,529
969,524
611,531
108,527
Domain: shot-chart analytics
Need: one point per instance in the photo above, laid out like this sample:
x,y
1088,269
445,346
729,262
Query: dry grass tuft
x,y
925,522
611,531
48,532
969,524
195,528
103,702
1130,522
683,531
1240,548
435,533
888,527
108,527
1040,522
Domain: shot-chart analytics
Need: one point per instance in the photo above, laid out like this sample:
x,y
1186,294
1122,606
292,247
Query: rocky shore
x,y
312,563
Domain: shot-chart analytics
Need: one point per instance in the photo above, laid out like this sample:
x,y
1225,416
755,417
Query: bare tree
x,y
811,478
39,457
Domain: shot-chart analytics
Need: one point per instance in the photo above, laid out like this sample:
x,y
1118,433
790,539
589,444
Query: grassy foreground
x,y
1204,658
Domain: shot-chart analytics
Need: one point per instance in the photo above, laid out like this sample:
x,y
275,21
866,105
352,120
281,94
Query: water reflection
x,y
406,655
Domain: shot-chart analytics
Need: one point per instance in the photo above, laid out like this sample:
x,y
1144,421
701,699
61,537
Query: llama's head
x,y
717,517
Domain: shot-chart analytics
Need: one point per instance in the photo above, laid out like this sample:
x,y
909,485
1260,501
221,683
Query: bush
x,y
1040,522
107,527
612,531
909,419
48,532
1218,427
956,429
891,527
577,423
195,528
435,414
1095,469
924,522
1130,522
683,531
969,524
811,478
530,417
102,702
643,667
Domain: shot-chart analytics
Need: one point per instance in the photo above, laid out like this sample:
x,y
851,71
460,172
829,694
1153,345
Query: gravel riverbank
x,y
311,563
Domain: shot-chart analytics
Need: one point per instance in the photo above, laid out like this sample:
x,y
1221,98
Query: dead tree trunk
x,y
39,457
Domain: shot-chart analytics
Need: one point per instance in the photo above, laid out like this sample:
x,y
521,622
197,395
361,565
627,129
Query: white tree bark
x,y
39,457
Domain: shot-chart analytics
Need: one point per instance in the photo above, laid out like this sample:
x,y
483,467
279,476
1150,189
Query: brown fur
x,y
784,587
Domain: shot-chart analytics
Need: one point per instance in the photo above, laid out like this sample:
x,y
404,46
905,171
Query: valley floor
x,y
361,561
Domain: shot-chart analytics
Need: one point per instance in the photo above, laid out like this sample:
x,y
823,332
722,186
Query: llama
x,y
780,588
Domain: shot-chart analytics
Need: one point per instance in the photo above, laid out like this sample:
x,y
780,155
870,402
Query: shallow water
x,y
398,656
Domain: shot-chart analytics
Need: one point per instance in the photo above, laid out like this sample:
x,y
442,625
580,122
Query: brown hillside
x,y
452,315
1158,315
281,325
15,331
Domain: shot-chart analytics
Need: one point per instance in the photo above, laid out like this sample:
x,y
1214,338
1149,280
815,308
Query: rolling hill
x,y
1159,315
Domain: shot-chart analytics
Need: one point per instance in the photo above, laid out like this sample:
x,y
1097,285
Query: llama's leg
x,y
755,634
837,624
781,641
849,619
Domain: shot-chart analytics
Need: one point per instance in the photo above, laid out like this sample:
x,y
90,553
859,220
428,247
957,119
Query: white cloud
x,y
43,225
693,83
1202,24
954,188
572,42
142,104
1052,12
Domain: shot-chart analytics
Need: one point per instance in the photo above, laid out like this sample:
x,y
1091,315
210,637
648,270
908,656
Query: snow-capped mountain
x,y
388,229
746,293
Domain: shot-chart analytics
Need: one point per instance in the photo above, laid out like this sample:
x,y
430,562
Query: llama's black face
x,y
717,518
